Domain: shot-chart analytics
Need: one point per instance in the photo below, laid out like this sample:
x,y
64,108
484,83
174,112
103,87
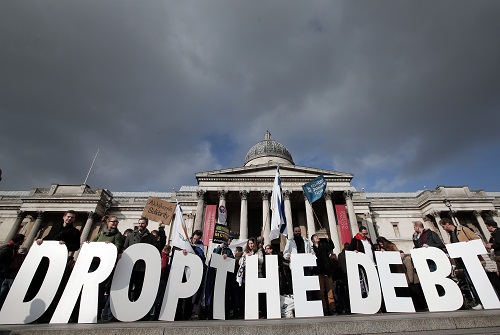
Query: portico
x,y
245,192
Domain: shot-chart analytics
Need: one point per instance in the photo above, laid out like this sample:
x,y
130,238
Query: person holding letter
x,y
65,232
462,234
324,271
494,242
361,242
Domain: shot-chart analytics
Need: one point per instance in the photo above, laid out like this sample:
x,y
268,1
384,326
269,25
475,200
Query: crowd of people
x,y
330,269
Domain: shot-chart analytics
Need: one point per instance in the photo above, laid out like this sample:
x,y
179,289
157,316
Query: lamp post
x,y
453,218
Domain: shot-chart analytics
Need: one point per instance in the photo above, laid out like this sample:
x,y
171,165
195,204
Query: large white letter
x,y
301,284
468,251
390,280
81,278
121,306
14,309
223,266
452,298
255,285
176,289
370,304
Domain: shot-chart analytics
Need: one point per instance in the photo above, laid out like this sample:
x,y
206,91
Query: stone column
x,y
84,236
244,215
198,221
444,234
311,229
332,222
482,225
428,222
222,198
190,223
87,228
288,213
266,219
34,230
350,212
15,228
369,226
494,216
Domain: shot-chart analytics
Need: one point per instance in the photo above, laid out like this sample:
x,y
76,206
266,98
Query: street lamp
x,y
453,218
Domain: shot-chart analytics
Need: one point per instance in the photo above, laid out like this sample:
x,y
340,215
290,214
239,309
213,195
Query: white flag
x,y
180,237
278,219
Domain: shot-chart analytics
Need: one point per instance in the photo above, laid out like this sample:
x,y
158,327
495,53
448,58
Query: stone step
x,y
457,322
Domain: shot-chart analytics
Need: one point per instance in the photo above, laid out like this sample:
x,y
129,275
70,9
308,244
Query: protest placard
x,y
159,210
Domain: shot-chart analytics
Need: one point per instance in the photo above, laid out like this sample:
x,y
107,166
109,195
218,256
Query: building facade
x,y
245,192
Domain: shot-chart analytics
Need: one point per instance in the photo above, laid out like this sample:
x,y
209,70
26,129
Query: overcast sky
x,y
402,94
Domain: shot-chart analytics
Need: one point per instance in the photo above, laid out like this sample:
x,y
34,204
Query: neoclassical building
x,y
245,192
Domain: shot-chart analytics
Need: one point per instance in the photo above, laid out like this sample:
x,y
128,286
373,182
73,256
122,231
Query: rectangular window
x,y
395,227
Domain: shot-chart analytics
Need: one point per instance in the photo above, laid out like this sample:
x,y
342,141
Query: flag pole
x,y
85,182
308,191
270,205
319,222
175,193
177,204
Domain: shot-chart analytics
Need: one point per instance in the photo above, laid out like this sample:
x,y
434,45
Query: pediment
x,y
269,171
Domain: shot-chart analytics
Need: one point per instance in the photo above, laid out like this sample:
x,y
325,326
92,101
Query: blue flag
x,y
314,189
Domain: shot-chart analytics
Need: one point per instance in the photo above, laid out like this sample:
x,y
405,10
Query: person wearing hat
x,y
494,242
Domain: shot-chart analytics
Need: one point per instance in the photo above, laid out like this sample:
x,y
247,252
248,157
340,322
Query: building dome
x,y
268,151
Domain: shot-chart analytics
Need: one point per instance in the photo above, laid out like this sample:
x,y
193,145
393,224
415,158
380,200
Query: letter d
x,y
371,303
16,311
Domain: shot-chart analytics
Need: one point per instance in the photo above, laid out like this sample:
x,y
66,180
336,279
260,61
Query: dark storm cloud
x,y
395,92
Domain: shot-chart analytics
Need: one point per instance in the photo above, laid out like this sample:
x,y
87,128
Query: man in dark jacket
x,y
65,233
494,242
424,237
340,285
141,235
361,242
324,270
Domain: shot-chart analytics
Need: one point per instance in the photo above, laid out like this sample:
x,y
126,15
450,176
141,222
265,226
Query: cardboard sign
x,y
221,233
159,210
